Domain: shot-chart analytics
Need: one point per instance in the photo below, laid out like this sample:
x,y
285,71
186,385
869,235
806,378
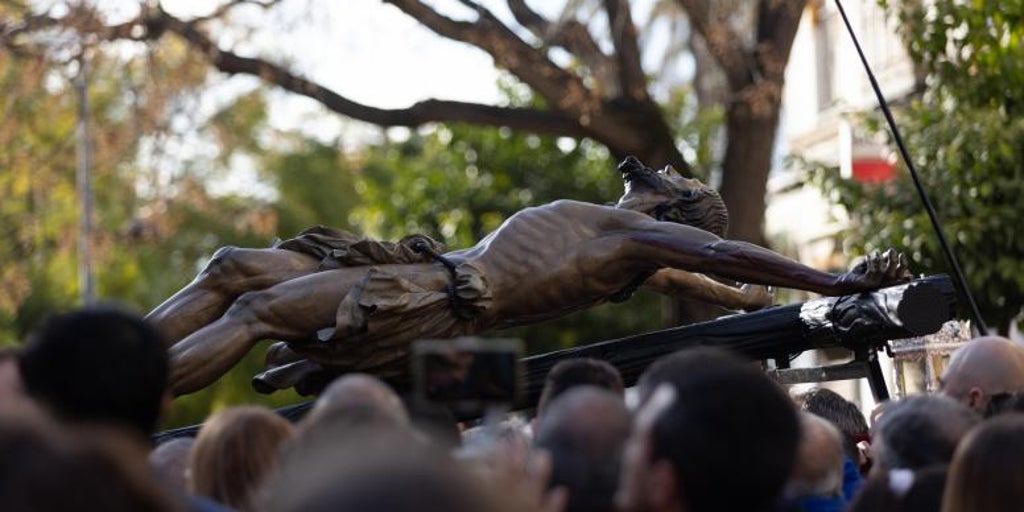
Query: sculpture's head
x,y
667,196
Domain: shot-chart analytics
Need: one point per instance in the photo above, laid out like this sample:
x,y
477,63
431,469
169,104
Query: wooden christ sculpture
x,y
340,303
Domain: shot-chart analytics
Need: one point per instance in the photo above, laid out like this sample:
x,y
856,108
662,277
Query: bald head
x,y
587,414
819,462
984,367
585,430
360,392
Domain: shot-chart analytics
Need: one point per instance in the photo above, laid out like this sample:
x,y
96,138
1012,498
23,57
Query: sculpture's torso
x,y
547,261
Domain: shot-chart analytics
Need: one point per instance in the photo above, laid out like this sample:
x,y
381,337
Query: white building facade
x,y
825,84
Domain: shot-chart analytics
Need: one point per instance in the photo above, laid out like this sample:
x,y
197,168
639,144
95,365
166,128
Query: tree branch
x,y
573,110
534,120
572,36
563,90
777,23
227,6
155,23
627,50
737,64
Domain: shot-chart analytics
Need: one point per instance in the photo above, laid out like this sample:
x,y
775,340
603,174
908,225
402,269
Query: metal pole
x,y
84,187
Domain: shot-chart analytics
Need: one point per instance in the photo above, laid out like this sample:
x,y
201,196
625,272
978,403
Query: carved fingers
x,y
756,296
883,269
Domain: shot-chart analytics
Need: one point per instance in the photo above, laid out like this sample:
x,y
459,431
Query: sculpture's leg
x,y
230,273
292,311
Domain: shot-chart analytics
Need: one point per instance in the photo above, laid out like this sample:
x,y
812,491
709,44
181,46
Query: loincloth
x,y
336,248
374,326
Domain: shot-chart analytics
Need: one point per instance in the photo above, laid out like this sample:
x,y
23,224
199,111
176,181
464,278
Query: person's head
x,y
712,433
359,395
235,451
46,468
919,431
170,461
983,368
368,419
578,372
667,196
98,365
986,473
902,490
585,430
843,413
819,461
375,471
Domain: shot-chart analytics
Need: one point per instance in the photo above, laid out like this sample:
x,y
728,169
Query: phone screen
x,y
468,371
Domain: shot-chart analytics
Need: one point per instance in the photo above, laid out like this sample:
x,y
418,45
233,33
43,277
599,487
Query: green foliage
x,y
459,183
315,185
971,49
145,247
37,212
967,137
697,128
236,127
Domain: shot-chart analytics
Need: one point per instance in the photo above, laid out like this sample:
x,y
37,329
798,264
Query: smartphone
x,y
469,374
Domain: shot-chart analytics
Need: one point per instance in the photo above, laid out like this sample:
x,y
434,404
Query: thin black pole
x,y
950,257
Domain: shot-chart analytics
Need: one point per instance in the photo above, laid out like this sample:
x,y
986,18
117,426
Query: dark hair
x,y
920,491
585,430
731,433
45,469
920,431
577,372
986,473
1004,403
98,365
375,471
702,208
841,412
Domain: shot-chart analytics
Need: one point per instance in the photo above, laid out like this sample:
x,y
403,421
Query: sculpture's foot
x,y
307,377
280,354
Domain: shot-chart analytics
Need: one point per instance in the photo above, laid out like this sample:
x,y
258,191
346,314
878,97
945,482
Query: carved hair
x,y
702,208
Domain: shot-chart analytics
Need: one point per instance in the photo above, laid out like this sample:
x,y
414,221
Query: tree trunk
x,y
639,128
745,170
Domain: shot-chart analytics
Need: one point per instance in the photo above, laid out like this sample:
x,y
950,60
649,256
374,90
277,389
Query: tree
x,y
965,135
754,69
151,232
598,94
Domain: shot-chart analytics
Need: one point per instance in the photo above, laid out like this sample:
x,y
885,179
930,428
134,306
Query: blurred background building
x,y
826,86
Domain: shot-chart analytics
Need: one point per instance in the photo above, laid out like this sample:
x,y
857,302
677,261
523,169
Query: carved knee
x,y
250,307
223,266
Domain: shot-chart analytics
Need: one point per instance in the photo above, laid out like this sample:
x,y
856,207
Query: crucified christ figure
x,y
356,305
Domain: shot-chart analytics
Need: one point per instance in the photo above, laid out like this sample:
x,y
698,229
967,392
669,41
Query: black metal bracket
x,y
865,365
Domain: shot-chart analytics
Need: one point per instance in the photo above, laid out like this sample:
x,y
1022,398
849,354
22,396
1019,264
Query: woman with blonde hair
x,y
987,473
236,450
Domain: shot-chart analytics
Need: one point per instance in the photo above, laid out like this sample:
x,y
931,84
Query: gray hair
x,y
920,431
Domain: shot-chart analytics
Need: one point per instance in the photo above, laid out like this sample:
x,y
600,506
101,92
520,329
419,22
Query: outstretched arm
x,y
680,283
687,248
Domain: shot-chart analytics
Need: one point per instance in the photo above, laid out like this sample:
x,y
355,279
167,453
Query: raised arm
x,y
680,283
687,248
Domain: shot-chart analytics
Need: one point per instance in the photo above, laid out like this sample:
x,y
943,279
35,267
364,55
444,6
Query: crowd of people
x,y
81,400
